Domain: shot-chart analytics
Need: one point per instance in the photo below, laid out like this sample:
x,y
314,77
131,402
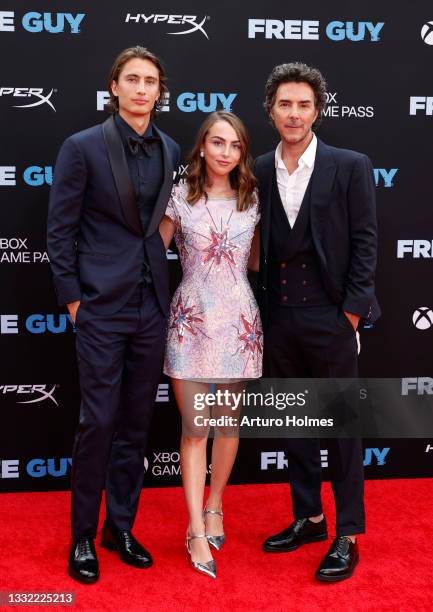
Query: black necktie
x,y
135,143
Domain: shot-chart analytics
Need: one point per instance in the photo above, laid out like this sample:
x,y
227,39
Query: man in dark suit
x,y
111,186
316,281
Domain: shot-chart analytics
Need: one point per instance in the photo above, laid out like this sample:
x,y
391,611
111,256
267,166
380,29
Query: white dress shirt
x,y
292,187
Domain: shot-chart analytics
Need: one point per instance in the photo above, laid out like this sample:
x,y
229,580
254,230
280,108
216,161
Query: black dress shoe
x,y
130,551
340,561
301,531
83,562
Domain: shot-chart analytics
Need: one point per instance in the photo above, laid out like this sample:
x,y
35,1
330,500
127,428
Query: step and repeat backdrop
x,y
377,60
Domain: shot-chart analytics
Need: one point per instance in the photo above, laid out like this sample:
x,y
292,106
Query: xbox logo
x,y
427,33
423,318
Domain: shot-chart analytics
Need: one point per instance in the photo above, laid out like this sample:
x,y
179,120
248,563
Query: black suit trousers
x,y
120,363
318,342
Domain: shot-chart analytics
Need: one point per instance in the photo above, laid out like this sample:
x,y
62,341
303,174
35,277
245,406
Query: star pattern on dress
x,y
184,319
219,249
214,325
251,337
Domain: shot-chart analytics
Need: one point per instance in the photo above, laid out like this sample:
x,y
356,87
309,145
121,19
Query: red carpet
x,y
395,572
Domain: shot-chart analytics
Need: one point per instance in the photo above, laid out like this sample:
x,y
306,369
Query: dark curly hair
x,y
296,72
116,69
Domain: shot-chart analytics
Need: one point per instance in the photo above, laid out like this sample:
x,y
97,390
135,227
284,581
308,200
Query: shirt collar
x,y
126,130
307,158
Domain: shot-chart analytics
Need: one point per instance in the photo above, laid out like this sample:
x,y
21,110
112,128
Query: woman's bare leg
x,y
193,463
224,450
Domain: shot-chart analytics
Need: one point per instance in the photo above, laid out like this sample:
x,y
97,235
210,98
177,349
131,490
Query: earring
x,y
201,154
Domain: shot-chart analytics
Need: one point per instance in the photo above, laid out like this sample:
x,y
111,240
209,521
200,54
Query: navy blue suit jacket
x,y
343,225
95,236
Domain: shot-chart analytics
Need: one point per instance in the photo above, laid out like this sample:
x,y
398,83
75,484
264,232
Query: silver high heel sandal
x,y
208,568
215,540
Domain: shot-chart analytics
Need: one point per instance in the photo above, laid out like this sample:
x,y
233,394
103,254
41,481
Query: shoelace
x,y
341,546
127,537
84,548
299,523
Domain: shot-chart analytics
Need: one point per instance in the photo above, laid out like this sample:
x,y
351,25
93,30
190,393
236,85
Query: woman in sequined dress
x,y
214,329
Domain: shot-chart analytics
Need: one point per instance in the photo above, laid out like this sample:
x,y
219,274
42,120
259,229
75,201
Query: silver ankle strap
x,y
206,511
193,537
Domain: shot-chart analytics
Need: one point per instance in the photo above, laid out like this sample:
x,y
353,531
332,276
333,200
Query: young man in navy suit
x,y
316,280
111,186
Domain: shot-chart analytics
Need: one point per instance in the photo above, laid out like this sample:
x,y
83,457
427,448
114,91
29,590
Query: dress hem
x,y
212,379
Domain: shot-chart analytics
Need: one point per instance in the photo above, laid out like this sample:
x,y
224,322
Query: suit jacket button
x,y
283,265
303,266
304,299
284,282
284,298
304,283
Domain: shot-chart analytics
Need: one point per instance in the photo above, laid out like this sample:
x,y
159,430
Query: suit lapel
x,y
119,167
266,198
322,181
167,183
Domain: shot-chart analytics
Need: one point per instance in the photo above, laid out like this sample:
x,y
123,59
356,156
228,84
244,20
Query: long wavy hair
x,y
241,178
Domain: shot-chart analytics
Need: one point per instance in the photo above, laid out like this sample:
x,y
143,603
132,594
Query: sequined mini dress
x,y
214,327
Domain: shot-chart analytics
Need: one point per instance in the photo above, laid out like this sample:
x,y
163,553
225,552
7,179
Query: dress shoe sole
x,y
111,546
324,578
83,579
311,540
